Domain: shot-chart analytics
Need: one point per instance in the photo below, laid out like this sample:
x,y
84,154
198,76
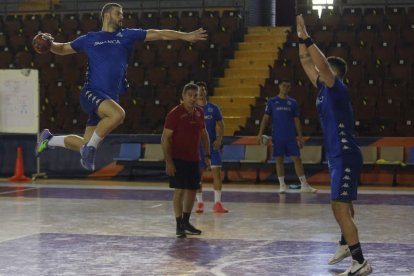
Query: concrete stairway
x,y
239,87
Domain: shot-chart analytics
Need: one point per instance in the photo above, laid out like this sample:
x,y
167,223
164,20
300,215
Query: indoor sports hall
x,y
62,215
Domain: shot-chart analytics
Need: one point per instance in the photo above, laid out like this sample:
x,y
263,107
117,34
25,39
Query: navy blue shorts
x,y
187,175
215,158
90,101
345,172
286,148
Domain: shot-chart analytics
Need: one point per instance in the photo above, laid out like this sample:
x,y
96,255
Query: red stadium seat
x,y
373,16
50,23
230,20
210,21
149,20
351,17
189,21
330,18
169,20
130,20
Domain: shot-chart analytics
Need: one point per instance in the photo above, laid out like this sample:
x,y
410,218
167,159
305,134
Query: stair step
x,y
242,63
269,46
234,120
230,129
237,91
247,71
233,101
264,38
271,55
241,81
236,111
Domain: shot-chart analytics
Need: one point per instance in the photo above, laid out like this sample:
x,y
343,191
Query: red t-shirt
x,y
187,128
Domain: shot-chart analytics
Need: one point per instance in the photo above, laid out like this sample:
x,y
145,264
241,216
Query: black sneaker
x,y
191,230
180,232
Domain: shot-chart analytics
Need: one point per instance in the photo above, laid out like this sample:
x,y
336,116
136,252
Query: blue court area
x,y
113,230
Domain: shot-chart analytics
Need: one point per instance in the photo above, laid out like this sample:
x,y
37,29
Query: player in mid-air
x,y
213,118
108,53
284,113
343,153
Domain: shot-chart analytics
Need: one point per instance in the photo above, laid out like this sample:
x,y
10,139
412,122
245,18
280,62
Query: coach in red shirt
x,y
183,129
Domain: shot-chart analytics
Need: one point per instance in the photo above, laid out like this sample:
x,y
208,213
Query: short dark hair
x,y
108,7
202,84
189,86
339,64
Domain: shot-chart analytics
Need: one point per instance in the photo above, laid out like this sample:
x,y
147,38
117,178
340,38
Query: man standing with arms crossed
x,y
184,129
212,117
284,113
108,53
344,156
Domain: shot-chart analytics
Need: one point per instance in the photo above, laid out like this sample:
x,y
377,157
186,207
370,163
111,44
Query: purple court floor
x,y
109,230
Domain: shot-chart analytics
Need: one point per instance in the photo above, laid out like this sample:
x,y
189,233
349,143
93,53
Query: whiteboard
x,y
19,101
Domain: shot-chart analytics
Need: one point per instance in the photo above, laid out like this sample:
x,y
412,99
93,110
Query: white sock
x,y
57,141
303,180
199,196
217,196
95,140
281,180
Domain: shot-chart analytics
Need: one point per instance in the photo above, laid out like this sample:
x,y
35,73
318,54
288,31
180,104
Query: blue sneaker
x,y
88,157
42,144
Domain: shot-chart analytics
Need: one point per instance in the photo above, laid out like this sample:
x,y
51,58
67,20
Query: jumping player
x,y
108,53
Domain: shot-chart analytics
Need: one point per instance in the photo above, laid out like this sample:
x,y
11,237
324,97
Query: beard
x,y
115,23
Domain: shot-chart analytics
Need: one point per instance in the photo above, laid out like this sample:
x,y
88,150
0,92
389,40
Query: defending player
x,y
344,156
108,52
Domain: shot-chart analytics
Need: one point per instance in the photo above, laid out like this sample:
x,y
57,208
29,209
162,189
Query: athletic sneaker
x,y
218,208
191,230
88,157
358,269
282,189
308,189
180,232
200,207
341,252
44,139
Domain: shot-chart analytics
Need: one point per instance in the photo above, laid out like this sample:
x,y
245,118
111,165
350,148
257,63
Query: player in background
x,y
108,53
213,119
342,150
286,134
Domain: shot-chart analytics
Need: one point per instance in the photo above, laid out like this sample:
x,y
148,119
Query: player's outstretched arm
x,y
62,48
318,58
194,36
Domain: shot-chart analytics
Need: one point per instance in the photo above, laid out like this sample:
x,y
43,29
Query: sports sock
x,y
178,219
356,252
186,217
342,241
199,196
282,180
95,140
303,180
217,196
57,141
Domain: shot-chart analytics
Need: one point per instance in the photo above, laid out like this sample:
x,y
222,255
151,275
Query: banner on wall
x,y
19,101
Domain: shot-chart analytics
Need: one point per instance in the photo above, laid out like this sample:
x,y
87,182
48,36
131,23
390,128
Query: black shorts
x,y
187,175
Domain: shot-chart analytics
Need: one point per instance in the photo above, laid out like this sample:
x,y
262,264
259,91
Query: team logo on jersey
x,y
119,34
209,109
112,41
289,102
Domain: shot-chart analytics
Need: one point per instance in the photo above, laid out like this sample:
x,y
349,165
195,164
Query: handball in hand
x,y
42,43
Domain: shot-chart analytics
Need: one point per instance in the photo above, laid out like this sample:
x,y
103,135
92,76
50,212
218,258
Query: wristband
x,y
308,42
301,41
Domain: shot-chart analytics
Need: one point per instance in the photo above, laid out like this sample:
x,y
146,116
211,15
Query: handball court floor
x,y
78,227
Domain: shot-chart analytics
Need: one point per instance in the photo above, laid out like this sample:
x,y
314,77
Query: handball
x,y
42,43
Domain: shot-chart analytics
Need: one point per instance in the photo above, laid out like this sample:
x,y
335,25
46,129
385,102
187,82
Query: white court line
x,y
14,191
242,190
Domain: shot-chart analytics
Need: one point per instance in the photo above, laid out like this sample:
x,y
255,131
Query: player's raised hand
x,y
197,35
300,27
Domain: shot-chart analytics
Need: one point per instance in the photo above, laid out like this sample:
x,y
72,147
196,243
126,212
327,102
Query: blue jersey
x,y
108,54
282,112
337,120
212,114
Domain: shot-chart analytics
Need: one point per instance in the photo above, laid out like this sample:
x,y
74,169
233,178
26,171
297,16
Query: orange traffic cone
x,y
19,168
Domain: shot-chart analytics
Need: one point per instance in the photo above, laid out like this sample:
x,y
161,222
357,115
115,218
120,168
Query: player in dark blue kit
x,y
108,53
284,113
212,118
344,156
